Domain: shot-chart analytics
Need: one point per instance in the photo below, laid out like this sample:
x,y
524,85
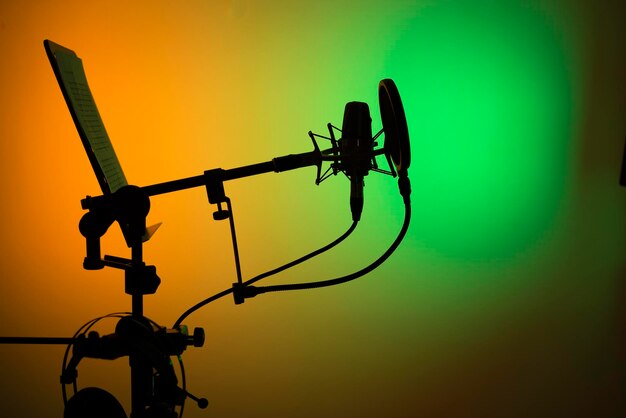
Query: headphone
x,y
142,340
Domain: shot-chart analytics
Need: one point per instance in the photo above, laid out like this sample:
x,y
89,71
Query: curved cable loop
x,y
200,305
267,274
349,277
405,191
304,258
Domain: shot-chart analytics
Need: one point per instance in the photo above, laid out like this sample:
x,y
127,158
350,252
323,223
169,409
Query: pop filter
x,y
397,145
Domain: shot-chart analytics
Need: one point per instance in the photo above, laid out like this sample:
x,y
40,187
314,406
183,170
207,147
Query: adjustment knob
x,y
197,339
220,215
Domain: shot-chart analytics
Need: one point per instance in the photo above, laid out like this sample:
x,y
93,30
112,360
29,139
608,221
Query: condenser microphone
x,y
356,148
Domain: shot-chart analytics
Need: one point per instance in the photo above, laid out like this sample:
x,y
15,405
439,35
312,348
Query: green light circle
x,y
488,100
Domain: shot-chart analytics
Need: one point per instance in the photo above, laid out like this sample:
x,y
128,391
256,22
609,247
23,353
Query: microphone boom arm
x,y
277,165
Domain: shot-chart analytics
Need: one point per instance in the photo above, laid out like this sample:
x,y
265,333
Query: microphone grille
x,y
356,143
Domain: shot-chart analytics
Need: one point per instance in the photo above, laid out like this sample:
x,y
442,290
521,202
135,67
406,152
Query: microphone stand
x,y
154,387
135,336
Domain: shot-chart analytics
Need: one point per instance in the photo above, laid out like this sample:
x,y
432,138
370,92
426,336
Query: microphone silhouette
x,y
356,148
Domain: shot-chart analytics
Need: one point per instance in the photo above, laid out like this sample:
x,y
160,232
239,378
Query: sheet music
x,y
75,82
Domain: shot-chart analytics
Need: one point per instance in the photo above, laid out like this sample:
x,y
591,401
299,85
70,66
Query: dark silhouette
x,y
155,391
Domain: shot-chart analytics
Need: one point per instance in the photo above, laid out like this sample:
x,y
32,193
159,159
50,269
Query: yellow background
x,y
506,298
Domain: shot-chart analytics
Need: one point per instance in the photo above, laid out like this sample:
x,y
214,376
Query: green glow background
x,y
506,298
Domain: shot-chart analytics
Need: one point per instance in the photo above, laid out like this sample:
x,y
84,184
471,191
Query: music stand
x,y
70,74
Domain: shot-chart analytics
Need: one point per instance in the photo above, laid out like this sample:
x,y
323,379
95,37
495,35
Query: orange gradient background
x,y
459,323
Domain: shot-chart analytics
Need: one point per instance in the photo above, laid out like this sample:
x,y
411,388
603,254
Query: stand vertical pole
x,y
137,295
140,369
